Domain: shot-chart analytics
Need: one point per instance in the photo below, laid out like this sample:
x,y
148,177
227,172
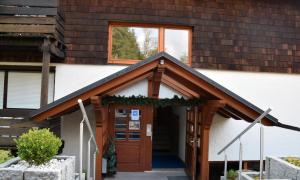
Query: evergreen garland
x,y
142,100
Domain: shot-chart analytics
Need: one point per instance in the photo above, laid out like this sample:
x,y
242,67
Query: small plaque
x,y
134,125
135,114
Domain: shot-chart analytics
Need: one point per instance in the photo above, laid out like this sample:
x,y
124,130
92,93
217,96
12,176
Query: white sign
x,y
135,114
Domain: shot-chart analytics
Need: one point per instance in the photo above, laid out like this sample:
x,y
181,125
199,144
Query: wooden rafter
x,y
65,106
167,71
238,114
246,111
179,87
227,114
185,81
157,78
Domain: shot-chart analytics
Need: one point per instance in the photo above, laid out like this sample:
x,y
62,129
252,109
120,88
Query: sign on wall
x,y
135,114
134,125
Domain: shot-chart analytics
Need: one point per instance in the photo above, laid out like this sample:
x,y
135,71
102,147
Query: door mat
x,y
168,161
178,178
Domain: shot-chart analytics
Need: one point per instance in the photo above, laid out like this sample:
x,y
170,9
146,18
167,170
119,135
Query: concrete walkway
x,y
156,174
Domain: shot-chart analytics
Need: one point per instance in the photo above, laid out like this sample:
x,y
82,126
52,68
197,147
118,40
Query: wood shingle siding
x,y
242,35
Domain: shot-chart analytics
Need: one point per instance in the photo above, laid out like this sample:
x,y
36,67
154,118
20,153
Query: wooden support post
x,y
204,164
99,140
150,86
45,72
208,112
95,100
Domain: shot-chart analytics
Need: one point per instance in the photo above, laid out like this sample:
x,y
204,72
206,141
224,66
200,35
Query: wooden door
x,y
133,143
191,141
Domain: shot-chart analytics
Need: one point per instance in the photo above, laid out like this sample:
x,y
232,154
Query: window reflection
x,y
176,43
135,43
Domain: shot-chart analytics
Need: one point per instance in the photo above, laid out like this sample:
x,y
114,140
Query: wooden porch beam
x,y
95,91
179,87
228,114
56,51
157,78
170,85
238,114
45,72
252,114
207,113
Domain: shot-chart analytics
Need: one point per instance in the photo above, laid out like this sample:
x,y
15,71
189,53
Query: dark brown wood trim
x,y
5,90
15,112
45,72
172,83
23,68
157,79
195,143
99,118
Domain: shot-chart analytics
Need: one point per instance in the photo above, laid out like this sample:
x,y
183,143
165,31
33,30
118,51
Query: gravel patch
x,y
52,164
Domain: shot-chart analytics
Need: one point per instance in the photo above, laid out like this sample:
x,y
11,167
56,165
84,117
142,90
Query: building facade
x,y
251,48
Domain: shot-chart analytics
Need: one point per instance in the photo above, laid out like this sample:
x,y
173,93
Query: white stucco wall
x,y
279,91
180,111
70,78
70,134
137,89
166,92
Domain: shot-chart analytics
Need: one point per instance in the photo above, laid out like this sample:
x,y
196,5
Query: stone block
x,y
66,171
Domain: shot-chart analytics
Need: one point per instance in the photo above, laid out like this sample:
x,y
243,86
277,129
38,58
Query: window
x,y
131,43
1,89
127,127
23,89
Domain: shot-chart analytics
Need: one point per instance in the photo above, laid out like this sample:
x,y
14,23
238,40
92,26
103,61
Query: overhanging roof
x,y
236,106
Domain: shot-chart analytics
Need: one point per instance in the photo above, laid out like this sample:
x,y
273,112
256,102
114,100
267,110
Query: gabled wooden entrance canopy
x,y
160,68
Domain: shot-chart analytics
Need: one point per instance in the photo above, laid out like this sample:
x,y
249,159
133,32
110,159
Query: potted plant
x,y
36,158
111,156
232,174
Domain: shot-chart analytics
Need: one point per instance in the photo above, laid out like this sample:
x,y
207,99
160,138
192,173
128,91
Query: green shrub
x,y
4,155
38,146
231,174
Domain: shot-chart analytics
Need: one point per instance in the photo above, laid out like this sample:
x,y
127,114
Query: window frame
x,y
161,40
24,69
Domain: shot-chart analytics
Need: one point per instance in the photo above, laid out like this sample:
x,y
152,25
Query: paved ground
x,y
156,174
